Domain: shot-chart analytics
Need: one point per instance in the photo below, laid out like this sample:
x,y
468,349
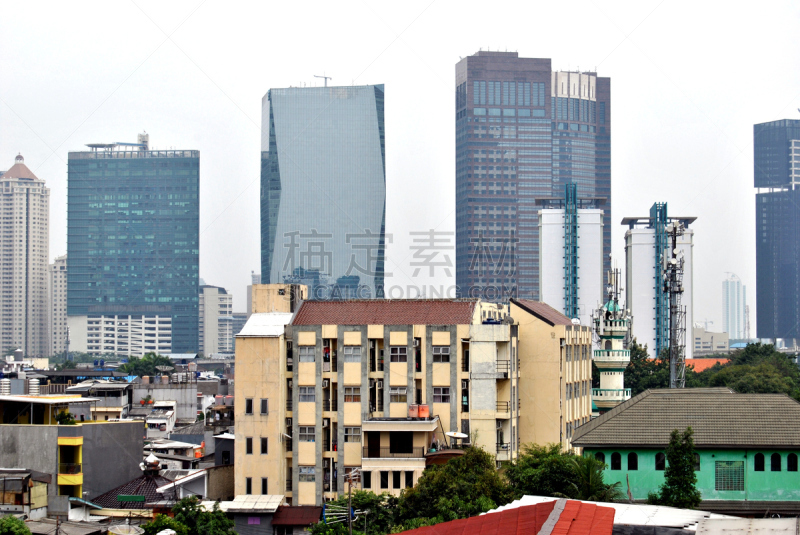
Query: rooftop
x,y
543,311
19,170
48,400
265,503
144,485
265,324
387,312
719,418
298,515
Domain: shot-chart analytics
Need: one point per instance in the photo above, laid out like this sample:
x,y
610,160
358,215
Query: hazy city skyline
x,y
686,93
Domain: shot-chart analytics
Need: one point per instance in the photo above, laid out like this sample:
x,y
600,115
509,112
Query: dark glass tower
x,y
777,175
522,133
323,190
133,235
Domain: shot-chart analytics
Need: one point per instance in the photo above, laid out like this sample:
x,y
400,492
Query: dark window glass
x,y
248,485
600,456
264,445
264,486
384,480
791,462
396,480
264,406
661,461
616,461
758,462
248,406
775,462
248,445
367,480
633,461
696,462
409,479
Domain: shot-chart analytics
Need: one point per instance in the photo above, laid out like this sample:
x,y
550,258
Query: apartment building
x,y
57,306
215,306
369,385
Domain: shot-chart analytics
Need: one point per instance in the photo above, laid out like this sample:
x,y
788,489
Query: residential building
x,y
255,278
740,468
58,333
776,176
612,324
25,212
60,450
213,483
215,306
555,365
113,400
370,384
707,342
24,492
132,243
523,132
734,307
646,243
323,190
571,257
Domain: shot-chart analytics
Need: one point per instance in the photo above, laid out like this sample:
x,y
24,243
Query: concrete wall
x,y
220,446
184,393
111,455
220,483
30,446
243,527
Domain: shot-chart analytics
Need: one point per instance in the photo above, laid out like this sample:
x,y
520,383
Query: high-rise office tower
x,y
132,244
216,305
25,210
776,158
646,245
734,306
57,307
323,190
523,132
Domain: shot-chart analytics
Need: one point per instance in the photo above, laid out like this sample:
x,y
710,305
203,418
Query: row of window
x,y
307,474
776,461
309,434
396,354
352,394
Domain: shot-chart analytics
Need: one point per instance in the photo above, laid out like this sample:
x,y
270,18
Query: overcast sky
x,y
688,81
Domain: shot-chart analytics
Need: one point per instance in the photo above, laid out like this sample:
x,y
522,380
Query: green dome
x,y
611,306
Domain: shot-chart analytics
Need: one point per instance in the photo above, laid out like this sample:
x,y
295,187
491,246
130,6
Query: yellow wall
x,y
398,372
441,375
38,495
265,297
398,338
306,453
352,454
306,493
306,373
352,414
306,413
352,372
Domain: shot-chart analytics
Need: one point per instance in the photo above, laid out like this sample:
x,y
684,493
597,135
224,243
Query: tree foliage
x,y
198,521
11,525
147,365
162,522
679,487
587,481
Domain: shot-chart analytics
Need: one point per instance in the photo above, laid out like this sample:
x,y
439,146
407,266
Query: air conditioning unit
x,y
288,422
325,383
372,383
326,422
380,384
416,342
291,383
464,383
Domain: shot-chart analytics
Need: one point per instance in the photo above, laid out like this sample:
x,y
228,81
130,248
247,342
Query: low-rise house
x,y
224,447
161,420
136,497
24,492
214,483
747,446
252,515
113,400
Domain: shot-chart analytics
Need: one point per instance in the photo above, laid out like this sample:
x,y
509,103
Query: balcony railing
x,y
289,404
330,405
288,485
385,453
69,468
503,447
288,442
503,406
465,362
504,367
611,394
612,354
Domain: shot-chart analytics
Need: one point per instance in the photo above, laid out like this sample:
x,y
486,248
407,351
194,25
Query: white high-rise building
x,y
25,212
555,265
215,303
734,305
57,306
644,295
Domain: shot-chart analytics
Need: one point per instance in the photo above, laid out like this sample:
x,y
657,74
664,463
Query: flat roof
x,y
49,400
630,221
270,324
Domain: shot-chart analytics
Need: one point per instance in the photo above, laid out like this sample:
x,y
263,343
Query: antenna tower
x,y
672,277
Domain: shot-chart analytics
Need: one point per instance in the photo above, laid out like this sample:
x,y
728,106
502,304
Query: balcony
x,y
503,368
289,405
610,395
503,451
503,406
611,355
289,485
385,453
288,442
328,405
69,468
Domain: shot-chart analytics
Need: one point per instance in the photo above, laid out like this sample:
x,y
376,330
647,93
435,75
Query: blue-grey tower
x,y
323,190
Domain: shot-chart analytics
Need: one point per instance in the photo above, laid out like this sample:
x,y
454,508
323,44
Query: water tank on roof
x,y
5,387
145,379
17,355
229,401
33,387
219,400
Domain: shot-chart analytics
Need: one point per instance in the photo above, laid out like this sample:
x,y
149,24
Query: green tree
x,y
465,486
541,471
587,482
65,418
66,365
679,487
162,522
147,365
198,521
11,525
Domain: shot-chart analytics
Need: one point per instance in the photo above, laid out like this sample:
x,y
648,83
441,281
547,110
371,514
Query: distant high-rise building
x,y
646,243
323,190
523,131
133,244
734,305
57,306
25,240
230,326
776,158
215,305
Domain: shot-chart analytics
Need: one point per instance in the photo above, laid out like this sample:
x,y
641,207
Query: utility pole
x,y
672,272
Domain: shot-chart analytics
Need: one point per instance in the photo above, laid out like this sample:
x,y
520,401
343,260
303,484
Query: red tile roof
x,y
298,515
543,311
704,364
386,312
576,518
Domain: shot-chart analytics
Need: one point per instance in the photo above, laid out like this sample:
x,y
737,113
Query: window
x,y
352,394
264,406
307,393
307,353
398,394
729,475
441,354
352,353
775,462
616,461
633,461
384,480
307,434
248,485
248,406
264,486
791,462
248,445
352,434
409,479
600,456
661,461
307,473
264,445
441,394
395,480
398,354
366,480
758,462
696,462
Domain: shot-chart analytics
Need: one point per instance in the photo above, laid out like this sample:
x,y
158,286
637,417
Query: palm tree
x,y
589,485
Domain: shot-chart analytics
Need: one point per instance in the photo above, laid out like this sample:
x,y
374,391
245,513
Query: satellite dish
x,y
456,434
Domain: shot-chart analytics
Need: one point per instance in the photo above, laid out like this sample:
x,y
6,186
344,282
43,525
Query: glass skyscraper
x,y
523,132
776,161
133,247
323,190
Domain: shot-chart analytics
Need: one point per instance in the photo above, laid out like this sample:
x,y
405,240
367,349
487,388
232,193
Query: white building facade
x,y
215,307
589,261
25,210
57,306
734,305
130,336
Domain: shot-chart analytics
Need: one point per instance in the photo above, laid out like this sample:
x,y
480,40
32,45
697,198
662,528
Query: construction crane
x,y
325,77
672,276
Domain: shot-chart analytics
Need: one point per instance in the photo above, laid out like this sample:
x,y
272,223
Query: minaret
x,y
612,325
